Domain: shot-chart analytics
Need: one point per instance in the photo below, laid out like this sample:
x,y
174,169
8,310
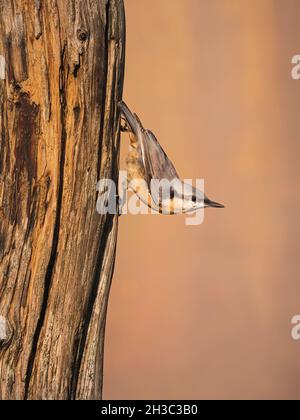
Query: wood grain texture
x,y
59,135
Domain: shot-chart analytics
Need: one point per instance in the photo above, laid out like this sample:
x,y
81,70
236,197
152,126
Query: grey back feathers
x,y
157,164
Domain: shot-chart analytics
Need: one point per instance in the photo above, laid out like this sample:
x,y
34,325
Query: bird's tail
x,y
129,116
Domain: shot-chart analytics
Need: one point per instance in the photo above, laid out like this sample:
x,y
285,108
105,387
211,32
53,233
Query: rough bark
x,y
59,135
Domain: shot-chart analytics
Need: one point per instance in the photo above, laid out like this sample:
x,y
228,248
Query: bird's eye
x,y
194,199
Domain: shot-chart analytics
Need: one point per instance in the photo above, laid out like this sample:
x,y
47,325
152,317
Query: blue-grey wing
x,y
163,179
156,163
156,160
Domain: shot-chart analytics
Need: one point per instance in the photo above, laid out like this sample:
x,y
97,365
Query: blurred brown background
x,y
205,312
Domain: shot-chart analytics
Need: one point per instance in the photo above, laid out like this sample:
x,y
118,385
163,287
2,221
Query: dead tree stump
x,y
59,135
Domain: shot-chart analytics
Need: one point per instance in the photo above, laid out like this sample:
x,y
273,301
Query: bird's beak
x,y
210,203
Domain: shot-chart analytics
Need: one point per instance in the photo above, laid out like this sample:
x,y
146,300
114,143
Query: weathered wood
x,y
59,135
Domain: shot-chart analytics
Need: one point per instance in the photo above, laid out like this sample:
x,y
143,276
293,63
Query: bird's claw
x,y
124,127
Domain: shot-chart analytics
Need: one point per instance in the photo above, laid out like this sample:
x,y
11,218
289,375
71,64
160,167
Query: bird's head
x,y
195,199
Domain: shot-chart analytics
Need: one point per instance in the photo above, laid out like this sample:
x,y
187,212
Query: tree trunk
x,y
59,135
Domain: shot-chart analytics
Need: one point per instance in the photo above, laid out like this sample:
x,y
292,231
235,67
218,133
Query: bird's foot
x,y
124,127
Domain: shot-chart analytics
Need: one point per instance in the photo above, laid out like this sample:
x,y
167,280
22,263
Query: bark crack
x,y
90,306
79,350
55,240
104,87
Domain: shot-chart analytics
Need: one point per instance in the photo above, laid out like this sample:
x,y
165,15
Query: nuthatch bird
x,y
149,170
